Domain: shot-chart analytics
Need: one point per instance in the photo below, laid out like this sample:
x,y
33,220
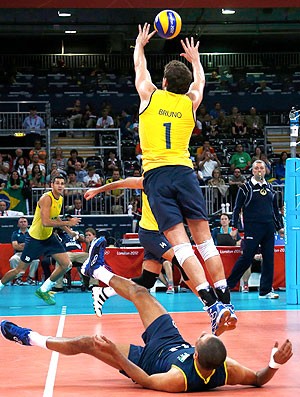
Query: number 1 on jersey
x,y
168,135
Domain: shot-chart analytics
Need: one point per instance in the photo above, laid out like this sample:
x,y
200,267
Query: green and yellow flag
x,y
14,199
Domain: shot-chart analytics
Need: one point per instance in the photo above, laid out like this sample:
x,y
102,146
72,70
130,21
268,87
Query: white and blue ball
x,y
167,24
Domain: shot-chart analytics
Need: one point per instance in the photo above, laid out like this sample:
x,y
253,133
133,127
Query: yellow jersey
x,y
148,221
165,128
37,230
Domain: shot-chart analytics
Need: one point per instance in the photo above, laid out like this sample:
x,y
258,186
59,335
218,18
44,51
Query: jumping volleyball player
x,y
167,118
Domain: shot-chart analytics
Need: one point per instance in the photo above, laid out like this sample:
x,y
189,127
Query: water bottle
x,y
129,210
227,208
223,208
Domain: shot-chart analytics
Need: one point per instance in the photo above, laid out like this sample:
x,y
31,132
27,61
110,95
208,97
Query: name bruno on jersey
x,y
168,113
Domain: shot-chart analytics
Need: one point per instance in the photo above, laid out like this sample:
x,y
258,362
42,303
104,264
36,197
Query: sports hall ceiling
x,y
112,17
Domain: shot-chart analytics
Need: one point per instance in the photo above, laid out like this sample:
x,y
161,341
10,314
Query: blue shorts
x,y
35,248
155,244
161,336
174,195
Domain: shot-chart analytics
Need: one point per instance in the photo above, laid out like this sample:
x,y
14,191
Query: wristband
x,y
272,363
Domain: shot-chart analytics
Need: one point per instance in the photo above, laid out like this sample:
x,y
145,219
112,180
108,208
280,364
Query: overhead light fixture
x,y
70,31
64,14
226,11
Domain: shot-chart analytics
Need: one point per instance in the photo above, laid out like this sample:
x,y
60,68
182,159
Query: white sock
x,y
1,286
37,339
221,284
48,284
103,274
109,291
203,286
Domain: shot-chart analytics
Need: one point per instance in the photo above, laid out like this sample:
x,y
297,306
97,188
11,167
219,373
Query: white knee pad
x,y
182,252
207,249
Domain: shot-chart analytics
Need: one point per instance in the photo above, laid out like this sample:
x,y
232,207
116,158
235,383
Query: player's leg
x,y
91,345
13,273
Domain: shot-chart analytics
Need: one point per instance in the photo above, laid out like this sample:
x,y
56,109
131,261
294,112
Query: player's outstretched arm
x,y
128,183
238,374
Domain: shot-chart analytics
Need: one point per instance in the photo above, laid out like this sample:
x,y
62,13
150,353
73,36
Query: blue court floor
x,y
21,301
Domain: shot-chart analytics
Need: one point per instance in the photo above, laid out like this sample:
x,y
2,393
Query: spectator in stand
x,y
263,87
7,212
74,115
111,162
114,198
15,182
257,153
200,154
80,172
36,178
18,154
59,159
202,113
4,175
223,124
33,124
233,115
208,164
89,117
220,191
235,181
124,122
239,127
74,158
225,228
103,122
21,168
77,208
73,188
215,112
280,169
269,167
18,243
240,159
36,161
6,158
92,179
54,171
138,152
255,124
37,149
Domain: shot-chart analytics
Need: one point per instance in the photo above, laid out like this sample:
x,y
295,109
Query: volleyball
x,y
167,24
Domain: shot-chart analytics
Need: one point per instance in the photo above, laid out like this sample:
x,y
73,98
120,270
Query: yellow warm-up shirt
x,y
165,128
37,230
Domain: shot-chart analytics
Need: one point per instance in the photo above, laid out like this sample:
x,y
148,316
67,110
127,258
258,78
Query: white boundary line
x,y
49,386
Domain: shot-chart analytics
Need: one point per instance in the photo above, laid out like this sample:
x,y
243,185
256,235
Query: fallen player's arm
x,y
238,374
128,183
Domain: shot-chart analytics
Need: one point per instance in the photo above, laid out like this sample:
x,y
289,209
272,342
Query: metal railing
x,y
113,62
104,204
13,117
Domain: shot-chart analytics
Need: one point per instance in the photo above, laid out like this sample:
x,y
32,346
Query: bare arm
x,y
191,54
143,82
45,206
238,374
171,381
17,246
129,183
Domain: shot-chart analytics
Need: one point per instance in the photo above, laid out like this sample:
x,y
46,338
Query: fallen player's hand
x,y
284,352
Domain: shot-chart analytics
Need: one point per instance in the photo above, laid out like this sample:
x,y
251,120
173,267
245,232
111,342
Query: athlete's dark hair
x,y
178,76
211,354
58,177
